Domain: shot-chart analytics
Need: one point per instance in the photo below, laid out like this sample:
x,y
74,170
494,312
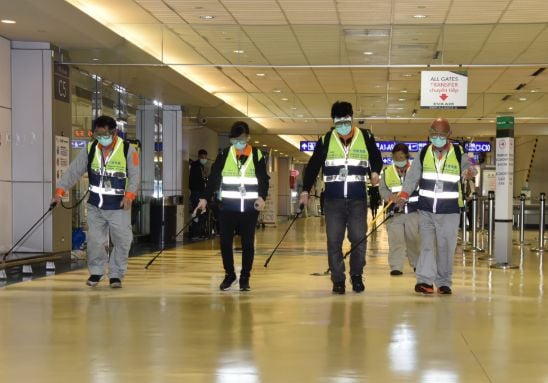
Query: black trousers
x,y
246,222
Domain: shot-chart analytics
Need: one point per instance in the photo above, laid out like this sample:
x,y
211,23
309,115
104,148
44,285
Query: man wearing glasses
x,y
113,170
438,174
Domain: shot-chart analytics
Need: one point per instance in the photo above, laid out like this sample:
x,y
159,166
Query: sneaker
x,y
115,283
227,282
396,273
424,288
244,284
93,280
338,287
445,290
357,283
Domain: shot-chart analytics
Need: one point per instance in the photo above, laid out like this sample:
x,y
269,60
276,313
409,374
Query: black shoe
x,y
244,284
357,283
115,283
445,290
424,288
227,282
396,272
94,280
338,288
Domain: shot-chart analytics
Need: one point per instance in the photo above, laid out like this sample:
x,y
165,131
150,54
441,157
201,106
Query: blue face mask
x,y
105,140
344,128
239,145
400,164
203,161
438,142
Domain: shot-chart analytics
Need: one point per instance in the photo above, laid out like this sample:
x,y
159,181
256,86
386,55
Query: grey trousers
x,y
99,223
438,237
403,240
340,215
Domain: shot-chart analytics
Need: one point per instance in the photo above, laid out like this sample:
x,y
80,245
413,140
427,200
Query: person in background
x,y
437,172
346,155
403,227
240,172
197,181
112,165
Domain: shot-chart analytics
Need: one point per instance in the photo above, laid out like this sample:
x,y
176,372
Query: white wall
x,y
5,146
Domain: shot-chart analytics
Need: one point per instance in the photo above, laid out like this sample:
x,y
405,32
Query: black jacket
x,y
196,179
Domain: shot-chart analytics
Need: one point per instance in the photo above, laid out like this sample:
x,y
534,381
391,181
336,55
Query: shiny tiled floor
x,y
171,324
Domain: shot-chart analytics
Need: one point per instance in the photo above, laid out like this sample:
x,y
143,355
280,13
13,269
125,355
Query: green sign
x,y
505,122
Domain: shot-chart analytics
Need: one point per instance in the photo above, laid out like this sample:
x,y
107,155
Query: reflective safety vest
x,y
107,176
394,182
345,167
439,188
239,186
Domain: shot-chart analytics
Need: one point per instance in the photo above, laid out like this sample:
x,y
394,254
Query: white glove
x,y
201,206
303,199
259,204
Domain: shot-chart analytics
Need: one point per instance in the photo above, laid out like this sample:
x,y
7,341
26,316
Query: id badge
x,y
343,172
107,185
242,191
439,186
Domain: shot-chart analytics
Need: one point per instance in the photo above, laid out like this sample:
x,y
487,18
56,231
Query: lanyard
x,y
438,163
241,168
346,148
104,162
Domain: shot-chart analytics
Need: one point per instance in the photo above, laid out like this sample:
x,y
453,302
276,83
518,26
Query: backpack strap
x,y
423,153
91,154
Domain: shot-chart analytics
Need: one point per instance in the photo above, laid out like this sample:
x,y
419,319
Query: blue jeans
x,y
340,215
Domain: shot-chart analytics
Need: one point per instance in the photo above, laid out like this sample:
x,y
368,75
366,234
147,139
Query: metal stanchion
x,y
540,248
464,238
482,214
521,222
490,227
475,247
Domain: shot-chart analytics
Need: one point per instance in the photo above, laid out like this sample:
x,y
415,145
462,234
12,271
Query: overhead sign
x,y
478,147
78,144
444,90
307,146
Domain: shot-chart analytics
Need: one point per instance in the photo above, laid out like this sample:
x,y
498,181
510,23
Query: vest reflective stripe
x,y
393,181
442,195
442,177
338,178
238,195
350,162
395,189
100,190
239,180
413,199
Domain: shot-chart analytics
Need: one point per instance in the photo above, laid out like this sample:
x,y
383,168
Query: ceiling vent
x,y
351,32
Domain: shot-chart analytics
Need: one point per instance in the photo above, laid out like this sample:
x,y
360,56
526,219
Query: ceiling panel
x,y
474,11
435,10
364,12
247,11
310,11
526,11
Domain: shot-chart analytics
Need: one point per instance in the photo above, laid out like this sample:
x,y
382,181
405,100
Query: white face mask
x,y
203,161
400,164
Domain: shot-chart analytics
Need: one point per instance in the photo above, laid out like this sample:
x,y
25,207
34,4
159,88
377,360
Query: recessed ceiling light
x,y
510,108
207,17
523,99
401,99
305,120
264,145
260,74
256,142
403,91
277,91
533,91
238,51
491,120
399,108
95,59
420,16
275,150
284,99
293,108
7,21
368,53
300,115
407,75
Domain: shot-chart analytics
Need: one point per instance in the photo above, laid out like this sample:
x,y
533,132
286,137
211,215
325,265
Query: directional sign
x,y
307,146
478,147
444,90
78,144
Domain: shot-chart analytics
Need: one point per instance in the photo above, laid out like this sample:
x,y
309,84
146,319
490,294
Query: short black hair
x,y
401,147
103,122
341,109
239,128
202,151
